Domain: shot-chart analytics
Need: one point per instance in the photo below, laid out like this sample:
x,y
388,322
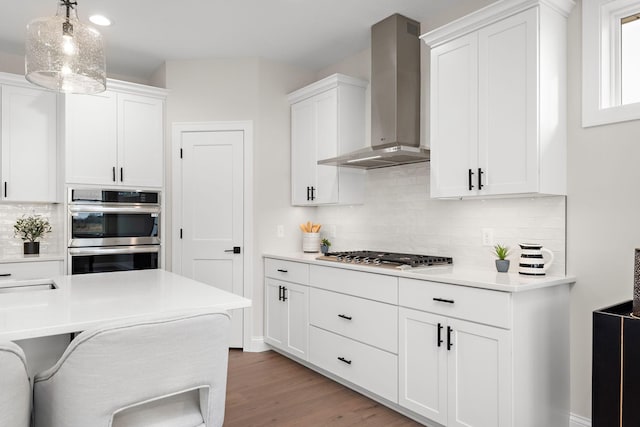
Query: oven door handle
x,y
115,209
114,250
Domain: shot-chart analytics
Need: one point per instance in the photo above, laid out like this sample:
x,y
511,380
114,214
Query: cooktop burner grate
x,y
387,258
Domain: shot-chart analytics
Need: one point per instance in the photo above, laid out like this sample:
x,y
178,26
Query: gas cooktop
x,y
386,259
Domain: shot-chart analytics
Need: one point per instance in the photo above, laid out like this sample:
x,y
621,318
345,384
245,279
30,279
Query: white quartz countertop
x,y
84,301
505,282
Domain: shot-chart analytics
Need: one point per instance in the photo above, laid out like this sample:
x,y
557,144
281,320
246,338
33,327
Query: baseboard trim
x,y
578,421
257,345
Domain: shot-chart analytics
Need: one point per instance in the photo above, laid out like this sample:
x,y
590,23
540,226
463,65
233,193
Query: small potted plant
x,y
502,264
30,229
324,246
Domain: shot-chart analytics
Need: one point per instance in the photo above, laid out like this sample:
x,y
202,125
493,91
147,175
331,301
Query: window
x,y
611,61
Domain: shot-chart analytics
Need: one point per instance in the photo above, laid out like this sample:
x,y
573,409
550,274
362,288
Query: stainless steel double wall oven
x,y
113,230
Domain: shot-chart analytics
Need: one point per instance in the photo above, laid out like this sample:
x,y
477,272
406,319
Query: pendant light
x,y
63,54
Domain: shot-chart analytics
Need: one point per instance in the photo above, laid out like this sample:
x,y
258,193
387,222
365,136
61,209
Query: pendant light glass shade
x,y
64,54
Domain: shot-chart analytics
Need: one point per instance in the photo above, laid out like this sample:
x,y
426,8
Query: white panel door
x,y
140,141
297,300
508,76
91,138
479,382
454,118
29,145
212,212
422,363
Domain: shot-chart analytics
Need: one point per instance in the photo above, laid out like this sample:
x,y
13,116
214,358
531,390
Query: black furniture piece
x,y
616,367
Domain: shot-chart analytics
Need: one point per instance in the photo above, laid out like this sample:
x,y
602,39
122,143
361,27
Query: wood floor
x,y
267,389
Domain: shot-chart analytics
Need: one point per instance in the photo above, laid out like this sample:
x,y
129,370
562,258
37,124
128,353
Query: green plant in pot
x,y
502,264
324,245
31,228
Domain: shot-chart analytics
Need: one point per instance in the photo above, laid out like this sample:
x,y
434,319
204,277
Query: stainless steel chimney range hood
x,y
395,98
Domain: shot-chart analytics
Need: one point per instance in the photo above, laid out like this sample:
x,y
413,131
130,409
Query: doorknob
x,y
235,250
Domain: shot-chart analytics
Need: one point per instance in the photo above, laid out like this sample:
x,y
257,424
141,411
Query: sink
x,y
27,285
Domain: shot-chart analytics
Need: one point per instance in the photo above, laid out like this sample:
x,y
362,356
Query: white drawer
x,y
30,270
370,322
370,368
462,302
373,286
290,271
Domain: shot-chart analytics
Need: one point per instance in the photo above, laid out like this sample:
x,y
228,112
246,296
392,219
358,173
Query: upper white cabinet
x,y
498,101
327,119
114,138
29,144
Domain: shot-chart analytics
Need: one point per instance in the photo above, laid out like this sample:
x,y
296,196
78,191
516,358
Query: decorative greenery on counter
x,y
501,251
31,228
326,242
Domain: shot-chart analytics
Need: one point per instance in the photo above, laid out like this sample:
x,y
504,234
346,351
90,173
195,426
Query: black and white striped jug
x,y
532,262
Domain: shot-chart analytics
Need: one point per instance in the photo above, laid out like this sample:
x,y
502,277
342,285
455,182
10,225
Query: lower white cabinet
x,y
454,372
30,270
286,316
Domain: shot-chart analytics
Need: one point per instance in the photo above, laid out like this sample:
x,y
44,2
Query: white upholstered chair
x,y
15,388
168,371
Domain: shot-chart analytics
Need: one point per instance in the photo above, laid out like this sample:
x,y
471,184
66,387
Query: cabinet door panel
x,y
297,319
507,137
454,117
302,151
423,365
275,314
326,123
91,138
479,376
140,137
29,145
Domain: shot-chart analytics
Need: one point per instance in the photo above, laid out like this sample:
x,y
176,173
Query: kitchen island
x,y
67,304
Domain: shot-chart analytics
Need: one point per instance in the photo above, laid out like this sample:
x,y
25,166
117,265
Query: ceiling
x,y
308,33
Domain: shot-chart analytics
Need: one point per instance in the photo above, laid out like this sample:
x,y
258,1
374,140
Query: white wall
x,y
245,89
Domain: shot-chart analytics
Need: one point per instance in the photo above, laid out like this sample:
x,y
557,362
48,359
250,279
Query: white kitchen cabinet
x,y
27,270
287,306
498,102
29,144
114,138
327,119
454,372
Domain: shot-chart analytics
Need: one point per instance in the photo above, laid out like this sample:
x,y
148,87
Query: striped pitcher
x,y
532,262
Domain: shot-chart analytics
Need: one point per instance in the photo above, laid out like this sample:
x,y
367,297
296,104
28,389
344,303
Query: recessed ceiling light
x,y
101,20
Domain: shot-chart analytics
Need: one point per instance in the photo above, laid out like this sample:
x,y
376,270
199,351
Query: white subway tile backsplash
x,y
12,246
398,215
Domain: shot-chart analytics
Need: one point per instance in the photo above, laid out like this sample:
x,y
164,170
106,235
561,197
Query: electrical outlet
x,y
487,237
280,230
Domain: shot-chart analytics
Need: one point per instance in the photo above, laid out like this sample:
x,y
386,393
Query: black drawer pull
x,y
342,359
5,274
439,334
448,301
449,343
284,293
282,271
344,316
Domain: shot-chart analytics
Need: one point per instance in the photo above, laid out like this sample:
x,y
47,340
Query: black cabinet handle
x,y
279,293
344,316
5,189
313,195
284,293
342,359
121,174
113,173
439,334
470,180
308,193
480,179
448,301
449,343
5,274
282,271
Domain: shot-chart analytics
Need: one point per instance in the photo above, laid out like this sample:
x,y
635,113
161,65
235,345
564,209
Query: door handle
x,y
235,250
470,180
449,343
480,173
313,195
284,293
308,193
439,334
121,174
279,293
113,173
